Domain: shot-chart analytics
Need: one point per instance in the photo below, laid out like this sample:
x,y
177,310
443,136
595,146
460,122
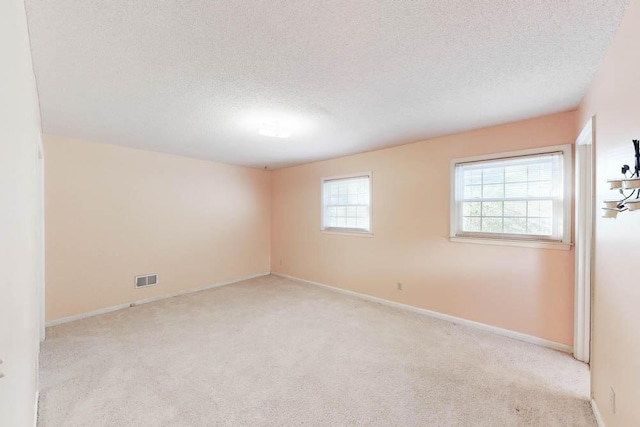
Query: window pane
x,y
546,208
473,177
492,225
534,226
514,190
472,191
515,173
471,224
540,209
515,225
546,226
515,209
540,171
492,209
471,209
540,189
493,176
493,191
540,226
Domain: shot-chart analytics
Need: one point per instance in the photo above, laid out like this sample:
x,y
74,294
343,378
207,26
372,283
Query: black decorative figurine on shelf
x,y
630,201
636,146
625,168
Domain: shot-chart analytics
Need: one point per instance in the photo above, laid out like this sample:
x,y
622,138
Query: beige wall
x,y
522,289
113,213
614,98
19,136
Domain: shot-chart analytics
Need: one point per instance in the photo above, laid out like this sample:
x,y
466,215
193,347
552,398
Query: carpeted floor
x,y
276,352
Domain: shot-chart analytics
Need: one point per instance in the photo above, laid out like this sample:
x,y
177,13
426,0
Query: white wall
x,y
19,218
409,249
614,98
113,213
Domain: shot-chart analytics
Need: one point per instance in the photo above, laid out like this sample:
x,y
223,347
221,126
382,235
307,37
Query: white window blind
x,y
514,198
346,203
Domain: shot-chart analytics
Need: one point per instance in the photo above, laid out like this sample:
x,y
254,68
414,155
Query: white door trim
x,y
584,240
40,236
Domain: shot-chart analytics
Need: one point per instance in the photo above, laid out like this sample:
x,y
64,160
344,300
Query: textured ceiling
x,y
200,77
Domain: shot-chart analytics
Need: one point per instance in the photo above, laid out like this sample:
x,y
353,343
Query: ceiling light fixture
x,y
275,130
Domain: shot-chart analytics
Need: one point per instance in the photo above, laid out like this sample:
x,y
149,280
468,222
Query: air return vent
x,y
148,280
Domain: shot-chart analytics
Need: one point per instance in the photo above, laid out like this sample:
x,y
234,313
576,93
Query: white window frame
x,y
565,244
347,231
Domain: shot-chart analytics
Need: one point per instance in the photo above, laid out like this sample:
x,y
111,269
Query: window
x,y
521,196
346,203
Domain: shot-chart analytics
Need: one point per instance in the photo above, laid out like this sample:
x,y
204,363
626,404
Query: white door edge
x,y
584,206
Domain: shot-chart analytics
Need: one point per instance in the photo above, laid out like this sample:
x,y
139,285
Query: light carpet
x,y
277,352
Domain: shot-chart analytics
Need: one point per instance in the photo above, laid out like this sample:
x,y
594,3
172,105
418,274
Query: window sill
x,y
348,233
522,243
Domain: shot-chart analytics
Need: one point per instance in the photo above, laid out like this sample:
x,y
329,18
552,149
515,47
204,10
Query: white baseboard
x,y
148,300
596,413
458,320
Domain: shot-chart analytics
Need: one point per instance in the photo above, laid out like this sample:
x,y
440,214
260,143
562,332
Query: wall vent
x,y
148,280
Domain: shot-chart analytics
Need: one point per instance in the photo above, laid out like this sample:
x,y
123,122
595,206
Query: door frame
x,y
40,291
584,226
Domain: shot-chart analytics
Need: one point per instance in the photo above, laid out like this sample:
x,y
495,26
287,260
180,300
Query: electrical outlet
x,y
280,261
612,399
399,286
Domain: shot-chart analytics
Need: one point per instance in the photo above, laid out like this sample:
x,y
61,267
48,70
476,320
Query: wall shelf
x,y
627,186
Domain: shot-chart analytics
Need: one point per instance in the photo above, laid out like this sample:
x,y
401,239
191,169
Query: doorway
x,y
584,205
